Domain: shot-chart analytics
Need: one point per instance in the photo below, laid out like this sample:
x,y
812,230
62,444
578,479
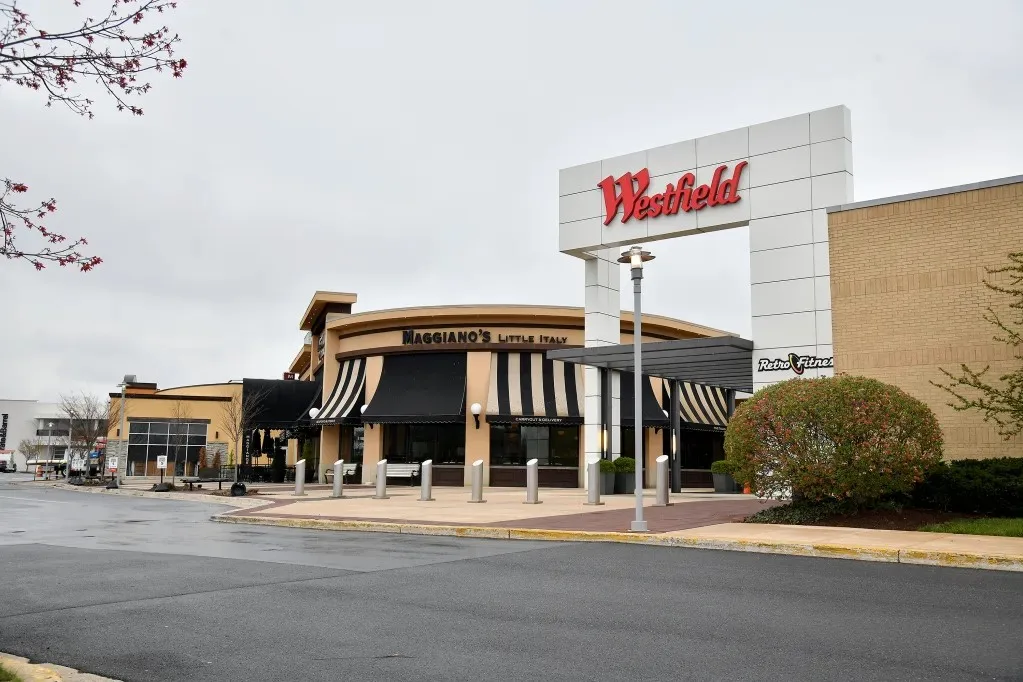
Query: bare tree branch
x,y
999,400
116,52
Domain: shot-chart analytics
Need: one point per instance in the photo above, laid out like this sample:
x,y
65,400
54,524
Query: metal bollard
x,y
381,480
593,482
532,482
339,468
300,477
477,482
426,481
662,482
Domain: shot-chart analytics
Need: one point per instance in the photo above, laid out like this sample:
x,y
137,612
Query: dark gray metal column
x,y
730,397
675,414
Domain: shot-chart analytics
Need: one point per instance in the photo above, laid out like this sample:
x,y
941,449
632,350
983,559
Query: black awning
x,y
527,388
419,388
277,403
653,414
303,416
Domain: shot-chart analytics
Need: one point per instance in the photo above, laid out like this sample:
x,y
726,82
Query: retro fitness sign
x,y
794,362
629,194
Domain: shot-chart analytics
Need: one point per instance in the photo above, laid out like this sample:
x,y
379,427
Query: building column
x,y
330,446
477,441
675,414
602,328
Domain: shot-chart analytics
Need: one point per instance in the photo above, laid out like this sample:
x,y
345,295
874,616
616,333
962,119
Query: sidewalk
x,y
694,519
34,672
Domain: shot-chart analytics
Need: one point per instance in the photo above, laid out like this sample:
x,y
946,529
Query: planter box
x,y
607,484
724,483
625,484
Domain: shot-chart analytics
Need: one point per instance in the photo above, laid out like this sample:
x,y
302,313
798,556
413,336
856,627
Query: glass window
x,y
158,438
176,440
138,438
197,430
564,446
443,443
158,427
197,440
138,427
178,429
514,445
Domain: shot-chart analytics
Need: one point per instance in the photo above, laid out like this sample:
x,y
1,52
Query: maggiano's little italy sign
x,y
411,337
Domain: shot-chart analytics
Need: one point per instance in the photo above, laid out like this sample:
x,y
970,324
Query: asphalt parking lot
x,y
142,589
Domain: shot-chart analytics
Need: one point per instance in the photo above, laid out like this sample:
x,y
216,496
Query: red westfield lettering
x,y
628,193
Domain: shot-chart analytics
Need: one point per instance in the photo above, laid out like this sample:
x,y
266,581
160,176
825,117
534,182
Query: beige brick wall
x,y
908,298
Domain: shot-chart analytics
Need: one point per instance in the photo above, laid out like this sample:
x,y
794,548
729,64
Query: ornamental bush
x,y
843,438
625,465
993,487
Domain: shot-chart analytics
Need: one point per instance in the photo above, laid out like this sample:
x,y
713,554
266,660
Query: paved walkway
x,y
560,509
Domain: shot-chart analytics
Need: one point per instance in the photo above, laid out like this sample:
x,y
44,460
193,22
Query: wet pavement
x,y
144,589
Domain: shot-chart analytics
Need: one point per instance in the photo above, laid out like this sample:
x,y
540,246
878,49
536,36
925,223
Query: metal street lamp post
x,y
635,257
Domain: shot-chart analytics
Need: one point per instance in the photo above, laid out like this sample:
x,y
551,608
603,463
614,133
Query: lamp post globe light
x,y
313,412
476,408
635,257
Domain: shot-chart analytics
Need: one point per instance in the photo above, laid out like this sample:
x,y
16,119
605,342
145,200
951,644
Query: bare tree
x,y
237,417
117,50
180,415
88,415
31,448
999,399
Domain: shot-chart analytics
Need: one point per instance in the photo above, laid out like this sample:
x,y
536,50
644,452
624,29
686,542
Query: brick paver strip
x,y
660,519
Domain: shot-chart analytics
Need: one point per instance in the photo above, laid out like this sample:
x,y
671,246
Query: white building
x,y
33,420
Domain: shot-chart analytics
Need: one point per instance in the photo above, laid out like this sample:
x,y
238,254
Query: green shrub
x,y
837,438
993,487
625,465
607,466
721,466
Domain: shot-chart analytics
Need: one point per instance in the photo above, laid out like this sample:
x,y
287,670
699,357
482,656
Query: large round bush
x,y
845,438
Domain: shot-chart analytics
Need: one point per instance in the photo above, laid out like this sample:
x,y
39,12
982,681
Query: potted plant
x,y
607,477
625,475
721,471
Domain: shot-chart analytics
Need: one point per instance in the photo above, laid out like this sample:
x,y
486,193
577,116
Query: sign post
x,y
161,464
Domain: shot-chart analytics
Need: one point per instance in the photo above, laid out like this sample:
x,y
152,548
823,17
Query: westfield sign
x,y
629,193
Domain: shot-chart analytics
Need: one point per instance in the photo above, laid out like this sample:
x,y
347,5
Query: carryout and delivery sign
x,y
628,194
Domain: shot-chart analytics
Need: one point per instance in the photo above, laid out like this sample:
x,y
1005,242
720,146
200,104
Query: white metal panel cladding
x,y
343,403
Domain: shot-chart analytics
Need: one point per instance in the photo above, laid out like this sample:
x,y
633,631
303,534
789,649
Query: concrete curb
x,y
822,550
237,502
35,672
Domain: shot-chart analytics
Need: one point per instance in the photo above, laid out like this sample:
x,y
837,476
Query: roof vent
x,y
130,379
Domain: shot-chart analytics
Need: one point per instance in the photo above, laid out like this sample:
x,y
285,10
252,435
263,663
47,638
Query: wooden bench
x,y
347,469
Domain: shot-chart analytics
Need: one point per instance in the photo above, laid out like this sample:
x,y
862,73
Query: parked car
x,y
8,466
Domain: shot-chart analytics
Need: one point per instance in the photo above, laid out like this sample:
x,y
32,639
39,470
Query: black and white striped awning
x,y
342,407
701,405
527,388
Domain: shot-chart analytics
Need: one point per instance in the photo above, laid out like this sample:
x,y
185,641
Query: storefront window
x,y
514,445
629,442
179,441
443,443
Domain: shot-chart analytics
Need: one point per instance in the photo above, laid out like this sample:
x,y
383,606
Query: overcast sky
x,y
409,152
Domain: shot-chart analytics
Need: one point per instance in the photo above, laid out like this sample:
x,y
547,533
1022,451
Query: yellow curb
x,y
821,550
861,553
319,524
29,672
455,531
577,536
994,562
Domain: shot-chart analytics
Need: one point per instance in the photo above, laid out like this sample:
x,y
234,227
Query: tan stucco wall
x,y
477,441
908,298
